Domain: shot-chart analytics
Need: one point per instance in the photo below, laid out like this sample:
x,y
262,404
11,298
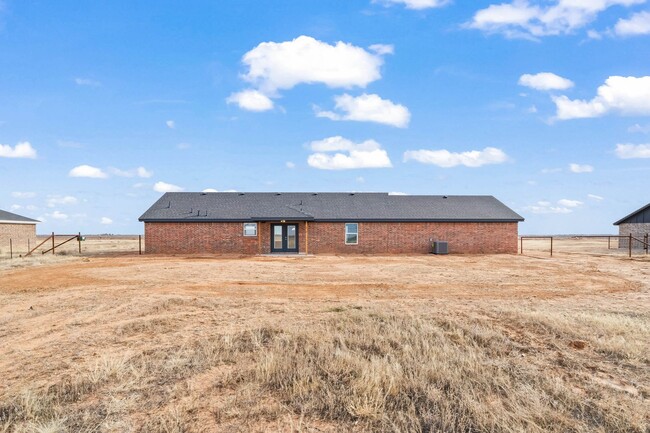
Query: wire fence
x,y
595,245
71,244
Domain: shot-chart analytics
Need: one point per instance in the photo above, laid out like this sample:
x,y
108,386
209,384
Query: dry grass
x,y
517,344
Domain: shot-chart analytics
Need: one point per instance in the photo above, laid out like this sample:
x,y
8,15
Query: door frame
x,y
285,248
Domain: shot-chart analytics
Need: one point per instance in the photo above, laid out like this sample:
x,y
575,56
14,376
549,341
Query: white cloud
x,y
569,203
367,154
382,49
415,4
183,146
595,197
551,170
21,150
143,172
167,187
216,190
87,171
135,172
290,165
397,193
274,66
623,95
593,34
545,81
251,100
15,207
534,19
644,129
87,82
638,24
19,194
446,159
55,200
170,124
368,108
58,215
580,168
106,221
360,179
633,151
563,206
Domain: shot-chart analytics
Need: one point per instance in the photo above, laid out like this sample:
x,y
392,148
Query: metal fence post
x,y
53,243
79,242
609,242
522,246
551,246
630,245
140,244
11,249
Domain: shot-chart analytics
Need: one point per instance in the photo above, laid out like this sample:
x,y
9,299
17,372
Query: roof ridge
x,y
294,207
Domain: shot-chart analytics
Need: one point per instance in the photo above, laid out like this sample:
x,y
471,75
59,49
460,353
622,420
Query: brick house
x,y
636,224
327,223
19,229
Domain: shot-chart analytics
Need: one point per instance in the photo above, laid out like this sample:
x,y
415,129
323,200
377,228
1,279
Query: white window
x,y
351,233
250,229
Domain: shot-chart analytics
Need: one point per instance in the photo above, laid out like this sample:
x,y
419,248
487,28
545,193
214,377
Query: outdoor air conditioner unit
x,y
440,247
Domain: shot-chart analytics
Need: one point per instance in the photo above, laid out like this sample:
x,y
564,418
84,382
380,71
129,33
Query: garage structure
x,y
327,223
17,229
636,224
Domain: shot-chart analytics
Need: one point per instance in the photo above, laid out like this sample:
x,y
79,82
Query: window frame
x,y
244,230
348,233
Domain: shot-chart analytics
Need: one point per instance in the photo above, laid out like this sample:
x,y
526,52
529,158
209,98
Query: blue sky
x,y
107,104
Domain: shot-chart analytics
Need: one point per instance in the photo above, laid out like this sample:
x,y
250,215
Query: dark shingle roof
x,y
233,206
13,218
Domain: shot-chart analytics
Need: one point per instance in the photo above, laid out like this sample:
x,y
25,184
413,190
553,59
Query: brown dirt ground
x,y
63,314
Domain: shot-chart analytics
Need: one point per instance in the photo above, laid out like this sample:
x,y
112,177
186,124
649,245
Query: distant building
x,y
327,223
19,229
637,224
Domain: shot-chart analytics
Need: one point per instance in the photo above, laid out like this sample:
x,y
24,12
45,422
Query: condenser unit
x,y
440,247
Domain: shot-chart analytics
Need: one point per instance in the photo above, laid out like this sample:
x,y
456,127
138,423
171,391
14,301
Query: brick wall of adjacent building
x,y
329,238
638,231
21,235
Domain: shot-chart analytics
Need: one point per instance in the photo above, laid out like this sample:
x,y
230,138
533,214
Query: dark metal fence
x,y
624,241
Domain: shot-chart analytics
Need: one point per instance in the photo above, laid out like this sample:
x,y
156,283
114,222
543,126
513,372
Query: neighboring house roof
x,y
638,216
12,218
233,206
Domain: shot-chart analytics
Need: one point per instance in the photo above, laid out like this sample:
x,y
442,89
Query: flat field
x,y
119,343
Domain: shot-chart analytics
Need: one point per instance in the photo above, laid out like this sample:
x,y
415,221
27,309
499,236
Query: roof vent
x,y
315,193
444,196
351,193
277,193
241,193
204,193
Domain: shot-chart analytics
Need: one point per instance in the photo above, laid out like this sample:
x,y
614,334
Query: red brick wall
x,y
413,238
198,238
329,238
